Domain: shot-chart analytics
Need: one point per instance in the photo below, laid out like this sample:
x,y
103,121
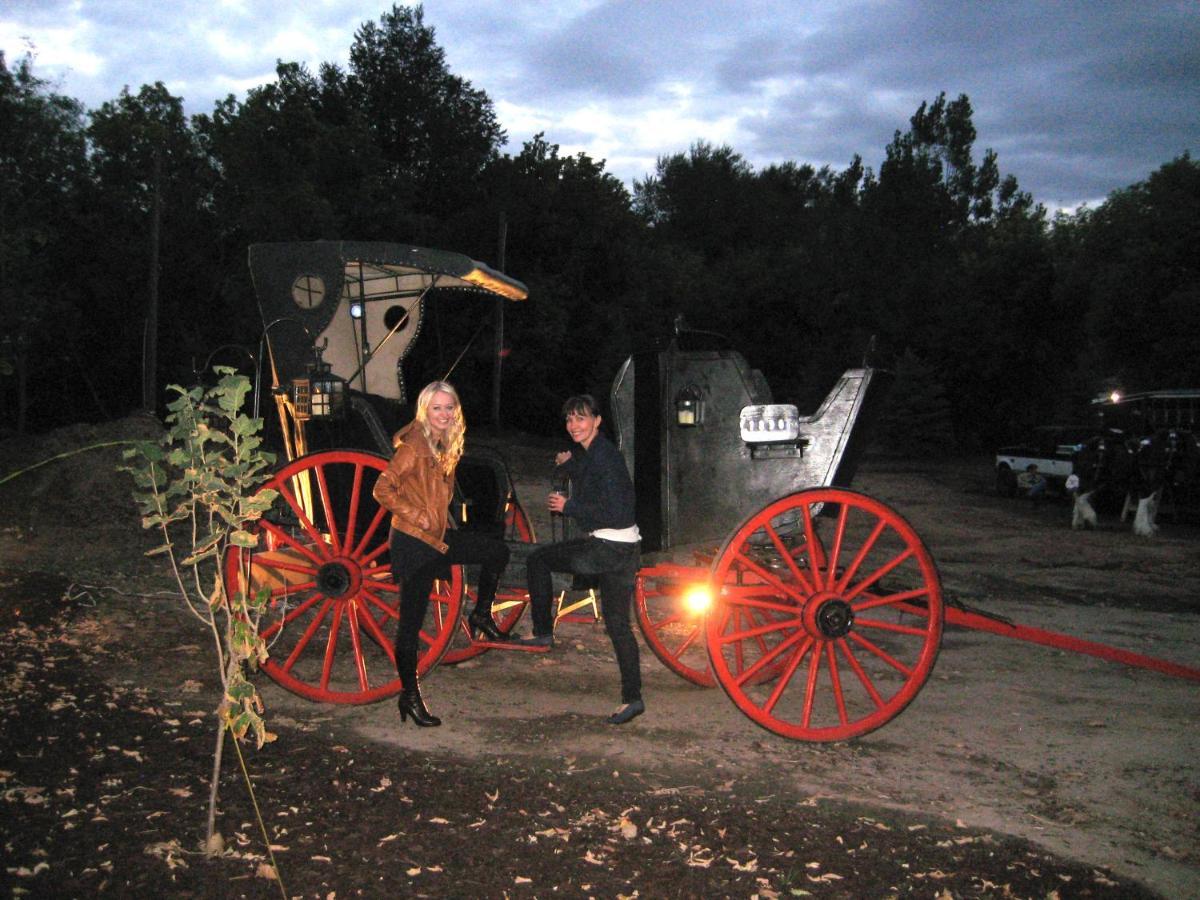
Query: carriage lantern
x,y
689,407
322,395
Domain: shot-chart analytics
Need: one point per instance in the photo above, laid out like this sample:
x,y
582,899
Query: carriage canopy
x,y
359,303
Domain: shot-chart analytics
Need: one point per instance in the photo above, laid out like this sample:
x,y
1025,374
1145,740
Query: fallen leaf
x,y
266,870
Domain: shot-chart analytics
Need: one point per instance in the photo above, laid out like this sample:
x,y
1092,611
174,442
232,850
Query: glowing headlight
x,y
697,599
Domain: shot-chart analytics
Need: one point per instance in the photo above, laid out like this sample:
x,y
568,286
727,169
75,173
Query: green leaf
x,y
243,539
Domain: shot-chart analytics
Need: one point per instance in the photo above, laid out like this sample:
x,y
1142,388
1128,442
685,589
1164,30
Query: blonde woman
x,y
416,488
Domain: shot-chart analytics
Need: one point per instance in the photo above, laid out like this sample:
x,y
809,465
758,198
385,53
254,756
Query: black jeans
x,y
617,564
414,567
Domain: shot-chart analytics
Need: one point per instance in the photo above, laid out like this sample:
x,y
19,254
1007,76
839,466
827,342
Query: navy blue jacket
x,y
601,489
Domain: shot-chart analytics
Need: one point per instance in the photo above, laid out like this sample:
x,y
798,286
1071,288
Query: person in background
x,y
602,504
416,488
1032,483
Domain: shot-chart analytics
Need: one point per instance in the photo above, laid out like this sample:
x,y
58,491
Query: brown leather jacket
x,y
415,489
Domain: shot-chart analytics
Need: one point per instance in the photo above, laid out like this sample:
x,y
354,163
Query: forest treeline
x,y
993,314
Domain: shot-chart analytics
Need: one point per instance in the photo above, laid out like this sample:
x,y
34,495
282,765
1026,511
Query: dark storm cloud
x,y
1078,99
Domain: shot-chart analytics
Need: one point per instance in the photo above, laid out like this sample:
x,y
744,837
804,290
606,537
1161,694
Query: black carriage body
x,y
679,416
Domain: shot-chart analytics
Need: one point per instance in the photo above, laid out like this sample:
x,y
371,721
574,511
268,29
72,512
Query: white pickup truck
x,y
1051,448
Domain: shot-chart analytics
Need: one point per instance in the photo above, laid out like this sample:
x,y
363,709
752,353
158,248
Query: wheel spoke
x,y
768,628
810,538
835,679
810,686
897,600
839,534
785,677
863,677
283,537
331,647
805,584
352,515
374,630
770,656
360,664
389,611
308,632
290,616
301,516
369,535
880,652
327,507
879,573
852,569
771,579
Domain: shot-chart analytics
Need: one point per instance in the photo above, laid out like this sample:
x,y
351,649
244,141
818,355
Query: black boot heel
x,y
481,623
411,704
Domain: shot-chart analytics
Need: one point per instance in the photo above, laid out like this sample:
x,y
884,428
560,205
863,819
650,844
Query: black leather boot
x,y
411,704
480,622
480,619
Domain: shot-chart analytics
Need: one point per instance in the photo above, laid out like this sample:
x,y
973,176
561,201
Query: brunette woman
x,y
416,488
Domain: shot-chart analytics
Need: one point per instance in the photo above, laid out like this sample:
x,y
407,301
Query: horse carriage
x,y
1146,456
818,610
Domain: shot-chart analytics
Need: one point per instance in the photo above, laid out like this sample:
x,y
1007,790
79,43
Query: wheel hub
x,y
835,618
828,616
337,579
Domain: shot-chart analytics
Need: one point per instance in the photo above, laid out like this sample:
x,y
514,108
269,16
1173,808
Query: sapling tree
x,y
198,487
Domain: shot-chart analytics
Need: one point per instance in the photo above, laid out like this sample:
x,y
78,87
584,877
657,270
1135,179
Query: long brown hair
x,y
450,449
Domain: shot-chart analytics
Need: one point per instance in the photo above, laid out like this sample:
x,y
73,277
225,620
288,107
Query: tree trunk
x,y
214,787
150,345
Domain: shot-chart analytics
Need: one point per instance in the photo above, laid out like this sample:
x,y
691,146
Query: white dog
x,y
1083,514
1144,523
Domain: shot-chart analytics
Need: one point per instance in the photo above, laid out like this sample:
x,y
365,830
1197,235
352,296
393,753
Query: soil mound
x,y
71,475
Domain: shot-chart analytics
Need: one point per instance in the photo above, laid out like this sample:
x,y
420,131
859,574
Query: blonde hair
x,y
450,449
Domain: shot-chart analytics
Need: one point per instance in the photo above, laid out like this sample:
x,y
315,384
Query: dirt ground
x,y
1019,770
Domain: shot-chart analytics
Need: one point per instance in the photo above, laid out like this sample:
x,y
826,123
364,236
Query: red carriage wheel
x,y
333,607
517,526
850,631
673,629
672,619
509,605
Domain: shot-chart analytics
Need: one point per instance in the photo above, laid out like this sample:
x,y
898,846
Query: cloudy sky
x,y
1077,98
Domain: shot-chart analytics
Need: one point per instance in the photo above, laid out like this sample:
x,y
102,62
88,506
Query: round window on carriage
x,y
308,291
396,316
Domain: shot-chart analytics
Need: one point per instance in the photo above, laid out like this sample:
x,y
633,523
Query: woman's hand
x,y
555,502
561,458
